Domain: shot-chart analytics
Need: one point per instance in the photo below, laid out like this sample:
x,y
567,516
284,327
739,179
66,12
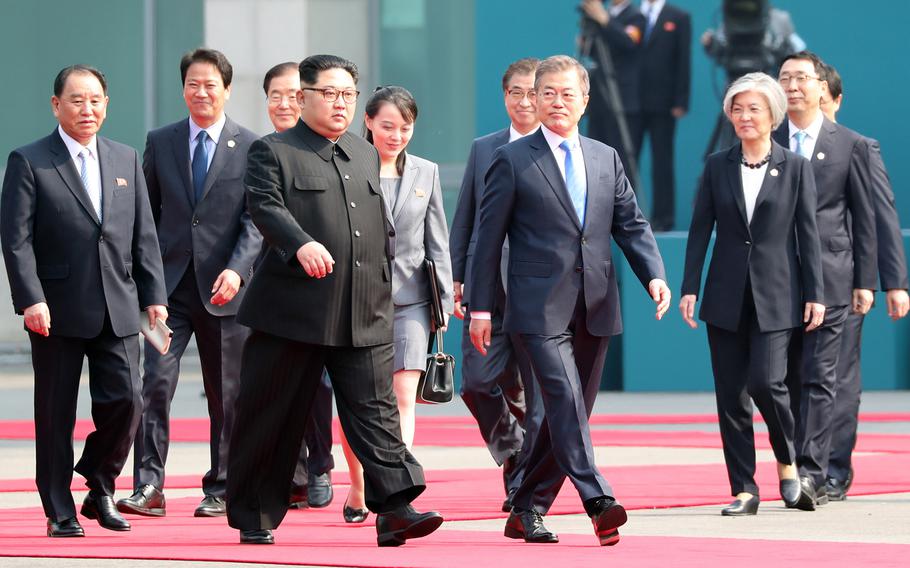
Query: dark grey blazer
x,y
848,254
551,255
217,232
778,254
463,236
892,261
56,250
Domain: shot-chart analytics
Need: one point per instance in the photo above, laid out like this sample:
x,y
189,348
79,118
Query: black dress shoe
x,y
298,500
64,529
210,506
848,483
789,492
395,527
835,489
740,508
529,526
352,515
507,504
103,509
607,516
807,495
257,536
319,490
147,501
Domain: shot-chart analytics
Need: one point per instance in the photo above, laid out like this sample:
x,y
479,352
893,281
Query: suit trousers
x,y
662,127
220,341
567,368
316,450
821,351
113,364
751,364
846,404
279,378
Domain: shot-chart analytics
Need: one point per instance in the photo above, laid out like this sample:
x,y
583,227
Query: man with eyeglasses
x,y
492,386
312,484
846,227
208,247
562,199
320,298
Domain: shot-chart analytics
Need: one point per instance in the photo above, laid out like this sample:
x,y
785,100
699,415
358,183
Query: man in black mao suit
x,y
562,199
846,228
892,271
492,386
665,80
208,245
79,244
321,297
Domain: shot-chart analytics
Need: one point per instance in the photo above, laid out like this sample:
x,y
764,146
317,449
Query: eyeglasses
x,y
800,78
330,94
549,95
517,94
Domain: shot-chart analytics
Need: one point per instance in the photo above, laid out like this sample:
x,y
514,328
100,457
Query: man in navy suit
x,y
194,170
562,199
80,250
491,386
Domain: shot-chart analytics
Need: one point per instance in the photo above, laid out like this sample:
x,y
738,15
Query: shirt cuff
x,y
481,315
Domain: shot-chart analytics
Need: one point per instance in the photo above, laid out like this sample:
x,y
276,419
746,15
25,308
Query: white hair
x,y
764,85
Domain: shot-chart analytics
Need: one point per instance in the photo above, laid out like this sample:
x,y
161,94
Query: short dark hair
x,y
524,66
805,55
835,84
205,55
401,99
64,74
315,64
276,71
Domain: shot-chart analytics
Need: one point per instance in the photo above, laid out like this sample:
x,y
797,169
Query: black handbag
x,y
437,383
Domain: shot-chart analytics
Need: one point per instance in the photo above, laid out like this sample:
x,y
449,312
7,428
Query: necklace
x,y
764,161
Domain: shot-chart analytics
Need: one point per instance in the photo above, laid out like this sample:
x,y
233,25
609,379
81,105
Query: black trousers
x,y
820,353
316,450
279,378
113,364
567,368
751,364
220,341
846,404
661,125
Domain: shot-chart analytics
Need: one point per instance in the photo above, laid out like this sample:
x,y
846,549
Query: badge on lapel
x,y
669,26
774,172
231,143
420,193
820,155
121,182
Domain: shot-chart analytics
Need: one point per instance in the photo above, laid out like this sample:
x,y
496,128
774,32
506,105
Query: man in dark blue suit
x,y
562,199
491,386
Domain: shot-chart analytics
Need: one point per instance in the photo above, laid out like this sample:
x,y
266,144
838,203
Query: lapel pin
x,y
121,182
820,155
420,193
231,143
774,172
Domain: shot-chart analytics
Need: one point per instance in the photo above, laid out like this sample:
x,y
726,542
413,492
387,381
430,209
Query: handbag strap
x,y
439,335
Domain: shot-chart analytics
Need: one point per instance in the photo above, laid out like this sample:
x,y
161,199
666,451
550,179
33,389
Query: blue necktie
x,y
577,191
93,194
200,164
800,140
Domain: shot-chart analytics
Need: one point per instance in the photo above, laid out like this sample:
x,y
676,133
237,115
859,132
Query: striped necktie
x,y
94,195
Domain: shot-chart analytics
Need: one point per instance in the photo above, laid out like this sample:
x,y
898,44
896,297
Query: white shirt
x,y
214,132
92,166
811,131
515,135
651,10
752,180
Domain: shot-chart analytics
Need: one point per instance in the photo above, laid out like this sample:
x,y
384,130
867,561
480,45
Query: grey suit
x,y
198,241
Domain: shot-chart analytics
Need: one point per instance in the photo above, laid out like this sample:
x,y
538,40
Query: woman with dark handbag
x,y
413,199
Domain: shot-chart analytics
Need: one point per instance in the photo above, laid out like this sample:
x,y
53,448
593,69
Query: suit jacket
x,y
777,255
57,251
848,253
552,257
892,261
213,234
666,62
300,188
623,36
419,231
463,237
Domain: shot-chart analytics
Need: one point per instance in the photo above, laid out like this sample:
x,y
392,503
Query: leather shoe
x,y
395,527
257,536
210,506
607,516
789,492
298,500
528,524
103,509
835,489
848,483
147,501
64,529
507,504
740,508
319,490
352,515
807,495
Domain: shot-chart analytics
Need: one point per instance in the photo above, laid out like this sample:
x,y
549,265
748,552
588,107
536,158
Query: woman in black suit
x,y
764,281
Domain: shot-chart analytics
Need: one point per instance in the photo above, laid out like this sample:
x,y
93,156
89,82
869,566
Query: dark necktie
x,y
200,164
